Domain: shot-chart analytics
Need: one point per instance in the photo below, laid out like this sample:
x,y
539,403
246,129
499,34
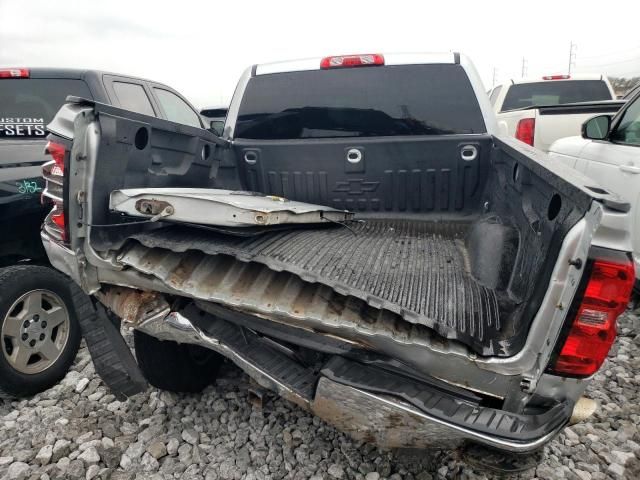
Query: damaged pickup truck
x,y
404,273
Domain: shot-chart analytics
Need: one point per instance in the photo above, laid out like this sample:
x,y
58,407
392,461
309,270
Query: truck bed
x,y
461,246
415,269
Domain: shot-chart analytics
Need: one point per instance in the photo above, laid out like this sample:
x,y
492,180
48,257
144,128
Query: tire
x,y
39,329
175,367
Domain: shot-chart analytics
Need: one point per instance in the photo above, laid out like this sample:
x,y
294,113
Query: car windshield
x,y
555,92
28,105
360,102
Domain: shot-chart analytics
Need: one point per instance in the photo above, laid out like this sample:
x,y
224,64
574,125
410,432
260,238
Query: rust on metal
x,y
253,287
366,418
280,296
151,207
257,395
131,305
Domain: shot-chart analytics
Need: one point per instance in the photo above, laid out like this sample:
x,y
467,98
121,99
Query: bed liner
x,y
415,269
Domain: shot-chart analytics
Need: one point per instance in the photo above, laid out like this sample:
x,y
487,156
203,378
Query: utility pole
x,y
572,56
524,67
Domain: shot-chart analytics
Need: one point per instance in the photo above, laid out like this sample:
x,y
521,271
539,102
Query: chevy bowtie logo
x,y
355,186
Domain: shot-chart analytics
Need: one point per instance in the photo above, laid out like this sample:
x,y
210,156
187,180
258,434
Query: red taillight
x,y
594,328
343,61
53,173
58,217
14,73
57,152
526,130
556,77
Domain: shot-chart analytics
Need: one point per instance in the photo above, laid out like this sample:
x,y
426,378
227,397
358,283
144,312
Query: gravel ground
x,y
77,430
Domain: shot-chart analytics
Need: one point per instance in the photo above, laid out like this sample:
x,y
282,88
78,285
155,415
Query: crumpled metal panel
x,y
285,298
417,270
258,362
367,417
256,288
228,208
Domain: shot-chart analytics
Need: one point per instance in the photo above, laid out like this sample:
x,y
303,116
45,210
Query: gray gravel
x,y
78,430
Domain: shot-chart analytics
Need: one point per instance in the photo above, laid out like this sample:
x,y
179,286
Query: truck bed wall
x,y
530,210
404,175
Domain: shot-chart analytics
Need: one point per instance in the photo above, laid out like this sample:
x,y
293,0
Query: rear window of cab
x,y
398,100
554,92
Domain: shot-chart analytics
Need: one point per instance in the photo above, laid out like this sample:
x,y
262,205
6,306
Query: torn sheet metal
x,y
285,298
381,419
256,288
133,305
414,269
220,207
241,347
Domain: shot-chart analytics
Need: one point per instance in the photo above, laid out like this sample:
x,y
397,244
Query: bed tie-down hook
x,y
166,212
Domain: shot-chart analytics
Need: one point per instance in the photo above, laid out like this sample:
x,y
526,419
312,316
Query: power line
x,y
572,56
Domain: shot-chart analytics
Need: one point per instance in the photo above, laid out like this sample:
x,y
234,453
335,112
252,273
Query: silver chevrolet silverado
x,y
359,240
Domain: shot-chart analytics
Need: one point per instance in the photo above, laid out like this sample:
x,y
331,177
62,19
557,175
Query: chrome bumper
x,y
381,419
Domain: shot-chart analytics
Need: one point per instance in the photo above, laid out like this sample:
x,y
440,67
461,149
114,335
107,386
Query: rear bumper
x,y
364,401
402,412
368,403
392,423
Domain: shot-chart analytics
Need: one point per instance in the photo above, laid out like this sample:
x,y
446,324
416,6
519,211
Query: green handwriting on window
x,y
25,186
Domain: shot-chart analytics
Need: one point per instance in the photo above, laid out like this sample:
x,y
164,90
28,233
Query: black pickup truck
x,y
40,334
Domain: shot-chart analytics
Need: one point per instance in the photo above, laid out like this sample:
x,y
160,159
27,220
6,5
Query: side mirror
x,y
596,128
217,127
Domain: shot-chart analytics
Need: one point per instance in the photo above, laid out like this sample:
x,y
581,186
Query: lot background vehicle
x,y
542,110
215,117
39,328
467,304
609,151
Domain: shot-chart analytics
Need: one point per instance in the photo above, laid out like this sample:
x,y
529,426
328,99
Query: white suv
x,y
609,152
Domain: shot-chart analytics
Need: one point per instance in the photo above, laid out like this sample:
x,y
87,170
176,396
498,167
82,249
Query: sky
x,y
201,48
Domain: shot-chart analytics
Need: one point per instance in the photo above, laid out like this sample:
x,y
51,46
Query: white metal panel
x,y
550,128
219,207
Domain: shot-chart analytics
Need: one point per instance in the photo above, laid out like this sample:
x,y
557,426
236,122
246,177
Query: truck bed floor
x,y
412,268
